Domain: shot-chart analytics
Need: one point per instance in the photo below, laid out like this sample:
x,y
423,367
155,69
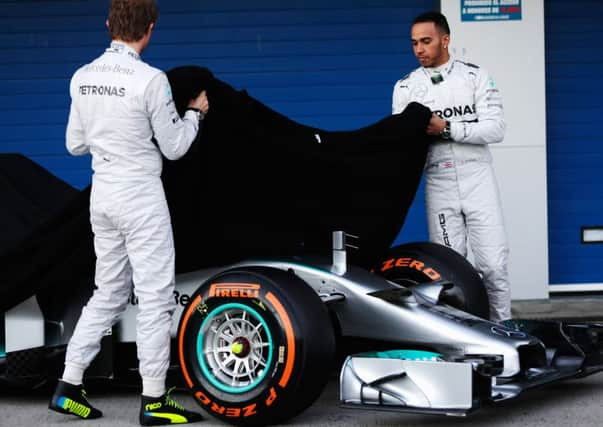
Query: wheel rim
x,y
234,348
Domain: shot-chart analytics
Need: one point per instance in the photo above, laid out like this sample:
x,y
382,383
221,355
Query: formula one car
x,y
270,297
257,340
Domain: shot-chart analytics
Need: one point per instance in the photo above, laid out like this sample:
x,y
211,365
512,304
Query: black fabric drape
x,y
268,185
255,183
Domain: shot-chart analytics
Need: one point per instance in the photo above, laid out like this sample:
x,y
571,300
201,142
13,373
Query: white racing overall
x,y
462,196
122,112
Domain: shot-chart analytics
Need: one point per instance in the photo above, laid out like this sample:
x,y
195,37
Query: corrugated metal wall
x,y
574,137
330,64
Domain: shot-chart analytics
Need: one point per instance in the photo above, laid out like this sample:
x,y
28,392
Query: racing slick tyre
x,y
423,262
255,345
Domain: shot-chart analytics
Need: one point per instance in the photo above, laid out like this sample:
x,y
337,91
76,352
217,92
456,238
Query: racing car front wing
x,y
424,382
417,384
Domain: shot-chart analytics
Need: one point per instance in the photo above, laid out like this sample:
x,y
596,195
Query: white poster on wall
x,y
490,10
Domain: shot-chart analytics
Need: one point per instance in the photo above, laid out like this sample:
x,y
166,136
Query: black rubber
x,y
433,262
302,336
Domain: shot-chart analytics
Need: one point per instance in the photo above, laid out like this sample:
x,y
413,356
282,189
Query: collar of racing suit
x,y
443,69
124,49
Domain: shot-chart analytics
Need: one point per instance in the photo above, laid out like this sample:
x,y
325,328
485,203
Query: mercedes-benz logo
x,y
504,332
419,92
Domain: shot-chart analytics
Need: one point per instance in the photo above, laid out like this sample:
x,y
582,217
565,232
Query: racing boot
x,y
156,411
71,399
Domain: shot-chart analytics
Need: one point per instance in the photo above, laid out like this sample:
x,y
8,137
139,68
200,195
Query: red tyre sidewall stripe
x,y
186,318
286,324
290,338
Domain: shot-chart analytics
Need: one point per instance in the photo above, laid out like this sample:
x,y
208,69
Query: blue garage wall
x,y
330,64
574,137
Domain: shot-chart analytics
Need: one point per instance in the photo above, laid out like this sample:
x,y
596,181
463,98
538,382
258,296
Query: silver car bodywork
x,y
476,360
395,383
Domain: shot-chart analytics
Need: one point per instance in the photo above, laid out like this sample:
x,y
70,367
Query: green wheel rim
x,y
234,348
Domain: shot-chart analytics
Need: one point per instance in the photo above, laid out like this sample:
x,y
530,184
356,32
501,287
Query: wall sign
x,y
490,10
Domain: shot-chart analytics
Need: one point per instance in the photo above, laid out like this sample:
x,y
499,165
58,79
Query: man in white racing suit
x,y
462,197
122,112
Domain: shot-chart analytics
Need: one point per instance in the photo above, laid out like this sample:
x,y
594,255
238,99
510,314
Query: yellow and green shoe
x,y
156,411
71,399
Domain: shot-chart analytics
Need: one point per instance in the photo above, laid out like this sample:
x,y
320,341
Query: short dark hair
x,y
437,18
130,19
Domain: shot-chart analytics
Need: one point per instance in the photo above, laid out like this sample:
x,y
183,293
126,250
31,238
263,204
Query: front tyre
x,y
423,262
255,345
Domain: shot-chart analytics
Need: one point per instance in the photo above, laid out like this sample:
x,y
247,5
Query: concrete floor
x,y
579,307
570,403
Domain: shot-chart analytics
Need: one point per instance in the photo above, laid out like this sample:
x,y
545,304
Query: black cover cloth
x,y
30,196
254,184
271,186
50,251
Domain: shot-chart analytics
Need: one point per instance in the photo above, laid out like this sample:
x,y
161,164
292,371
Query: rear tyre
x,y
255,345
424,262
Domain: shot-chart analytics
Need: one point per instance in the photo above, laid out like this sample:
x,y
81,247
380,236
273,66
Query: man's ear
x,y
151,27
445,40
107,24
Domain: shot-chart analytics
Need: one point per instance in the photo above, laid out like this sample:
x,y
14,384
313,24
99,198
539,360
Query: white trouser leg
x,y
445,219
113,286
463,206
150,246
487,237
